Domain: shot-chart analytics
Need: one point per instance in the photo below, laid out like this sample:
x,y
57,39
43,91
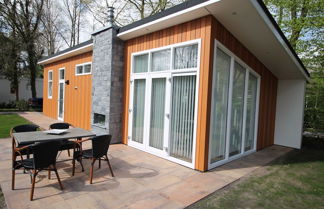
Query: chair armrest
x,y
81,141
11,132
18,149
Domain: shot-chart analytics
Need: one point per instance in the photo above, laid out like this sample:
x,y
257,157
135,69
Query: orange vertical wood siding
x,y
77,96
196,29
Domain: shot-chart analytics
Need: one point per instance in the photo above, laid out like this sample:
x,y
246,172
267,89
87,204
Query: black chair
x,y
65,144
100,146
16,150
44,158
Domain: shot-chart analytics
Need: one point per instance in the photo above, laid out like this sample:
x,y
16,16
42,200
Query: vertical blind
x,y
138,110
182,117
237,110
157,113
250,112
220,105
140,63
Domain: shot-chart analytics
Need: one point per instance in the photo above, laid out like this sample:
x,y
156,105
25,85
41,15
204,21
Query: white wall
x,y
290,113
24,90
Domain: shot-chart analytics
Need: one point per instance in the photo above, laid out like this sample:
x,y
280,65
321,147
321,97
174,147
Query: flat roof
x,y
69,52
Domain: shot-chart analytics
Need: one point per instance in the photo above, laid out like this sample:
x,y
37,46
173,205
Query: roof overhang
x,y
70,52
248,21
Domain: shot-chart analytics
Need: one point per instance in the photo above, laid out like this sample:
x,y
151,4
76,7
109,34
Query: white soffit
x,y
243,19
68,54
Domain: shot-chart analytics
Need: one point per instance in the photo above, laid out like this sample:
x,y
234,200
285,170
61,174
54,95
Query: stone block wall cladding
x,y
107,82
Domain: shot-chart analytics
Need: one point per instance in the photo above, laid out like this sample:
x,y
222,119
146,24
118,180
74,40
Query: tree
x,y
74,9
302,22
24,16
50,27
11,62
128,11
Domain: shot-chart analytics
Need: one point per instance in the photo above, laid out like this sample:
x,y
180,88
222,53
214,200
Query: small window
x,y
99,119
61,74
161,60
50,84
186,57
141,63
83,69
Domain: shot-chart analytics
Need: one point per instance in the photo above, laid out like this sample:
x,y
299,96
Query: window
x,y
141,63
174,58
186,57
234,108
161,60
50,84
83,69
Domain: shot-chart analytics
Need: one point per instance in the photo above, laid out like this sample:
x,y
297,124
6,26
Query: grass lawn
x,y
296,180
7,121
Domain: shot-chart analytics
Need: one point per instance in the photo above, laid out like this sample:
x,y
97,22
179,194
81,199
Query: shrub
x,y
22,105
11,104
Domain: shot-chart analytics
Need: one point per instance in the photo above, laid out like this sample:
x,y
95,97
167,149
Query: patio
x,y
142,180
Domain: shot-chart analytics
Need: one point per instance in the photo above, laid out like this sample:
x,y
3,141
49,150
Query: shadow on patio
x,y
141,181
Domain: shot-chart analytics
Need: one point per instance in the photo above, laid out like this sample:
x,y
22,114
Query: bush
x,y
11,104
22,105
3,105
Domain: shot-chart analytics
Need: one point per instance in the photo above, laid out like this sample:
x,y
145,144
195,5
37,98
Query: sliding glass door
x,y
220,90
163,101
234,108
236,128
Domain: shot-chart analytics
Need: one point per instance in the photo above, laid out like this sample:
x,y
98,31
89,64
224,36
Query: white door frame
x,y
58,98
168,75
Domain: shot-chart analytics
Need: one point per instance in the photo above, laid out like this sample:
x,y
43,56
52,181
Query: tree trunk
x,y
32,68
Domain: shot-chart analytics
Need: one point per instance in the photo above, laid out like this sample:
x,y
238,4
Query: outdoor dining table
x,y
27,138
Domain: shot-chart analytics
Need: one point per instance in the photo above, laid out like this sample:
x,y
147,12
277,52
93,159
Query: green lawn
x,y
7,121
296,180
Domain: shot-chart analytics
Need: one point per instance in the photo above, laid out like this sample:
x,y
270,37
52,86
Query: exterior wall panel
x,y
77,97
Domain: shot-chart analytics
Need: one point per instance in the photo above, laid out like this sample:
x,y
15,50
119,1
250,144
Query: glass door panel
x,y
182,117
250,112
61,94
235,141
219,107
157,113
61,100
138,110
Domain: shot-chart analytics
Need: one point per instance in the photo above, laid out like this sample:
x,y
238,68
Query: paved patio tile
x,y
141,180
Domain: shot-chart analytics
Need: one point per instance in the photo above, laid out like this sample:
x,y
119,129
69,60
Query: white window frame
x,y
248,70
170,74
48,82
83,73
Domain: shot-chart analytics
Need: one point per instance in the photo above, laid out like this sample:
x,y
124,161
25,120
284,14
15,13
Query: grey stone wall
x,y
107,82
